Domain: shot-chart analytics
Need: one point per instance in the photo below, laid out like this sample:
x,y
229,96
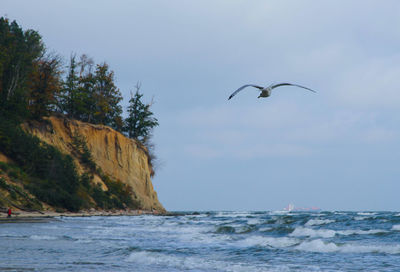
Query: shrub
x,y
13,174
55,180
118,195
4,166
81,148
3,183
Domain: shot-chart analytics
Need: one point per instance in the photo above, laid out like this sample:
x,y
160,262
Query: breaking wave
x,y
207,241
319,245
328,233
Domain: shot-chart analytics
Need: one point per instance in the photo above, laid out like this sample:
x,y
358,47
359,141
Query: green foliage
x,y
16,193
18,52
52,177
3,183
86,181
13,174
31,86
4,166
140,121
74,96
55,178
82,150
107,97
45,84
91,96
118,195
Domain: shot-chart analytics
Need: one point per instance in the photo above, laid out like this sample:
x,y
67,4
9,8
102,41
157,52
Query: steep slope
x,y
117,156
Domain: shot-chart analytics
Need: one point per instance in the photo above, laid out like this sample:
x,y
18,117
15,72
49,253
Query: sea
x,y
206,241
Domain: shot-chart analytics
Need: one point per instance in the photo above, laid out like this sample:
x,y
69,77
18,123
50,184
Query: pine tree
x,y
85,91
44,85
140,121
18,51
75,97
106,98
67,97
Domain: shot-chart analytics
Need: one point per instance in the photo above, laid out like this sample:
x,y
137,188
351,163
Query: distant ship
x,y
291,208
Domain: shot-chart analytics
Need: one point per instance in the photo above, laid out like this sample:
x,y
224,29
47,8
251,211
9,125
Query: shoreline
x,y
45,216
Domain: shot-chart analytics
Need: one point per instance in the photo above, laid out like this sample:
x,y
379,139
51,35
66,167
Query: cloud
x,y
277,129
372,83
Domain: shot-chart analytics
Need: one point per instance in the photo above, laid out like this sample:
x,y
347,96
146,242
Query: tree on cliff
x,y
91,96
106,98
75,99
19,50
140,121
44,84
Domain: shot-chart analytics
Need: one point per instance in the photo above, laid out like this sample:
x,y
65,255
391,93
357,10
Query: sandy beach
x,y
44,216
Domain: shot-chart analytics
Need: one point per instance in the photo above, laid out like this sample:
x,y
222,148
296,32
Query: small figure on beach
x,y
9,212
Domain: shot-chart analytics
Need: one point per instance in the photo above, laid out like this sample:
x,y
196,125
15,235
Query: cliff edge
x,y
118,157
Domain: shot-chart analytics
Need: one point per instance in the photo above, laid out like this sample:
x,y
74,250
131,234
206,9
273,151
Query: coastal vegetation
x,y
33,86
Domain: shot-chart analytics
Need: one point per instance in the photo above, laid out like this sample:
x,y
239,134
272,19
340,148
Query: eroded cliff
x,y
117,156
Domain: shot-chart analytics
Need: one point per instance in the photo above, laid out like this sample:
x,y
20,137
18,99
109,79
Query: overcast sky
x,y
338,149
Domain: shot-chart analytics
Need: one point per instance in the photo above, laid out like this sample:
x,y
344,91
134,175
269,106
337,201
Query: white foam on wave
x,y
254,221
233,214
265,229
396,227
276,242
189,263
361,232
313,222
360,218
328,233
324,233
42,237
319,245
366,213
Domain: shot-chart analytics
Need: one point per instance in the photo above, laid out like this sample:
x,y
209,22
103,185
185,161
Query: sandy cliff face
x,y
119,157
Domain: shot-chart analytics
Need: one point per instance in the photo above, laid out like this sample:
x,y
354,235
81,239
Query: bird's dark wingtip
x,y
230,97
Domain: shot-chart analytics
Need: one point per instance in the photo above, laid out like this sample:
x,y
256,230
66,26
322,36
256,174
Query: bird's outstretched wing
x,y
290,84
244,86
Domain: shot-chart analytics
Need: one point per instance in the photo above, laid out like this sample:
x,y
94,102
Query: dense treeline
x,y
89,94
33,85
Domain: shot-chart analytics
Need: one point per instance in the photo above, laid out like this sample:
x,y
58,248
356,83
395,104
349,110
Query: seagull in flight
x,y
266,91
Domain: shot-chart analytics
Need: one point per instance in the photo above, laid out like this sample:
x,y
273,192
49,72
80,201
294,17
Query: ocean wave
x,y
361,218
189,263
225,229
328,233
313,222
319,245
254,221
367,213
234,214
275,242
396,227
43,237
280,229
361,232
324,233
266,229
